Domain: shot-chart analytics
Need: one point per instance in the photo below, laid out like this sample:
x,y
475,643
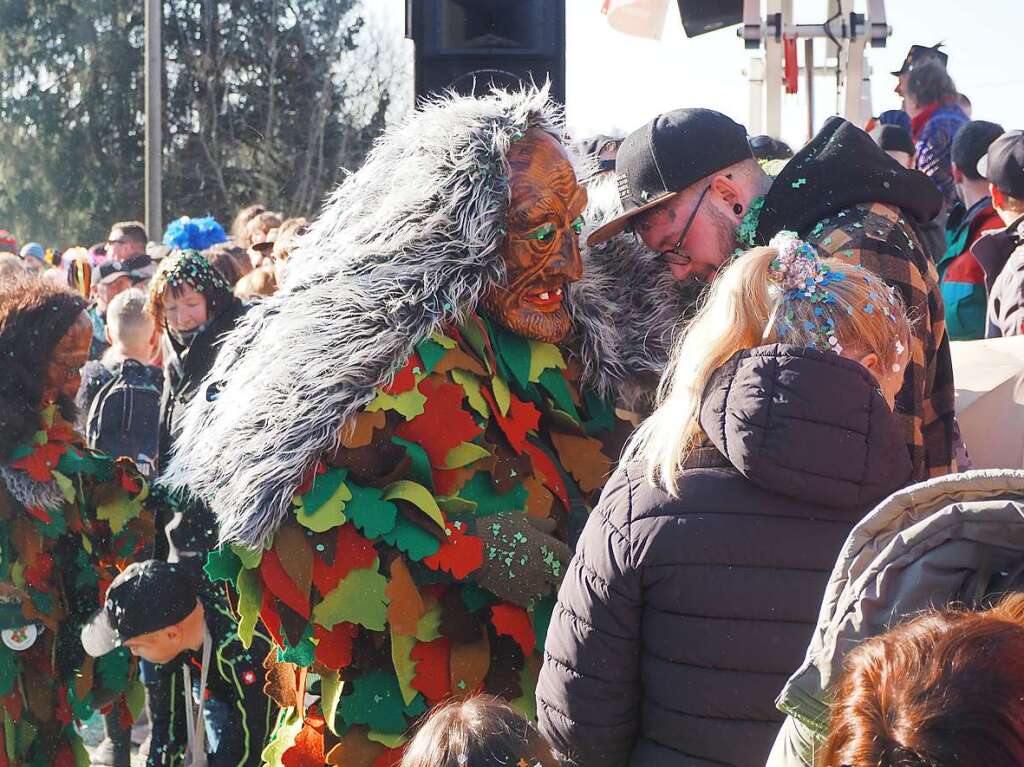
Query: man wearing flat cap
x,y
692,190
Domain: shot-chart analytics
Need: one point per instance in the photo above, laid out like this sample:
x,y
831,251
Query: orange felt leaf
x,y
432,664
405,606
451,481
510,620
296,557
522,417
358,431
334,647
308,748
443,424
353,552
539,499
469,665
355,749
583,458
456,359
390,758
460,554
405,379
41,462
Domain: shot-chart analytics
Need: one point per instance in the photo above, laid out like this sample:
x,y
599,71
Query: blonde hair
x,y
746,308
258,282
478,732
127,317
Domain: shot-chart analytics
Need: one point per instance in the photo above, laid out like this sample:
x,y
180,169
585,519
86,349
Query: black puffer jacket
x,y
681,618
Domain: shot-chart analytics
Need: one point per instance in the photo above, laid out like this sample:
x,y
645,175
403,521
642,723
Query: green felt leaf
x,y
475,597
372,515
113,669
452,504
302,654
323,489
289,725
418,496
330,514
359,598
123,508
514,351
420,468
442,340
135,698
431,353
388,739
480,490
405,667
601,412
250,558
409,404
428,628
474,335
67,487
331,687
501,394
8,670
416,542
472,387
542,619
554,383
376,701
544,356
526,704
464,454
222,564
250,597
76,461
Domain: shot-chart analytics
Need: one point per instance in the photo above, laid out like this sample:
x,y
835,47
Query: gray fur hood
x,y
956,539
406,245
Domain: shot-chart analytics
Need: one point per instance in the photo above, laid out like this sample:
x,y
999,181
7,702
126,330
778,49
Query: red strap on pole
x,y
790,65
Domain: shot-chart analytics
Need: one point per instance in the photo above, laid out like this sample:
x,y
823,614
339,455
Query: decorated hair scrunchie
x,y
800,275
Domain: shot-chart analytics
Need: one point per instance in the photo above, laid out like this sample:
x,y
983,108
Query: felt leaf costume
x,y
379,447
58,554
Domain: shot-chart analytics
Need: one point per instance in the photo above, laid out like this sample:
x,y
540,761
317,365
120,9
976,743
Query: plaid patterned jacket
x,y
877,237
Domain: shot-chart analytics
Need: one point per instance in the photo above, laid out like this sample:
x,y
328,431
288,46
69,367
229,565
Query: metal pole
x,y
154,69
809,84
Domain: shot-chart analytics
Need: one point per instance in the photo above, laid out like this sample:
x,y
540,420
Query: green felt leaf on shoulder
x,y
480,490
464,454
600,413
542,611
369,512
544,357
431,353
376,701
526,704
250,558
472,387
409,404
113,669
322,507
416,542
121,508
405,667
67,487
78,461
135,698
514,352
420,468
554,383
359,598
388,739
8,671
302,654
418,496
222,564
452,504
473,333
289,725
502,395
331,687
442,340
428,628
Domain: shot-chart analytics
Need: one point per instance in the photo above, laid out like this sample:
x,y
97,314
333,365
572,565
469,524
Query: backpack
x,y
124,416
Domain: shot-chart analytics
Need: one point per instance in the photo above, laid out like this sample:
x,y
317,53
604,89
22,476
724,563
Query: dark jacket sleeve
x,y
248,712
588,694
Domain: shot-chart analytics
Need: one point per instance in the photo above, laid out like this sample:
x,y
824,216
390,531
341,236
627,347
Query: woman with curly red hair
x,y
943,690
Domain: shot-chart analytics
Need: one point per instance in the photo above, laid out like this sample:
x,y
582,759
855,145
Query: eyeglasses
x,y
116,242
672,255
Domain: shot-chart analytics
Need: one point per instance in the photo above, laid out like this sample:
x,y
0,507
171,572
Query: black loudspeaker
x,y
702,16
469,45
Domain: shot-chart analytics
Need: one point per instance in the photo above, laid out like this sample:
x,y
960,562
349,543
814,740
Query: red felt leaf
x,y
390,758
354,552
544,466
40,463
443,424
522,417
405,379
38,575
276,579
432,672
334,648
39,513
65,757
308,748
510,620
129,483
459,555
307,479
63,712
270,617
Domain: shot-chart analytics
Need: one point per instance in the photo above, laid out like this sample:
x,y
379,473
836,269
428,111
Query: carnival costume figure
x,y
396,448
70,519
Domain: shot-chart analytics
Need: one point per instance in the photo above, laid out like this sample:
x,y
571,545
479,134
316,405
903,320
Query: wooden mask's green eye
x,y
544,233
577,225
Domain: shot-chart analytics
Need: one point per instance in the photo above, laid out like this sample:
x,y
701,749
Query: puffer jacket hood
x,y
841,167
762,411
958,539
